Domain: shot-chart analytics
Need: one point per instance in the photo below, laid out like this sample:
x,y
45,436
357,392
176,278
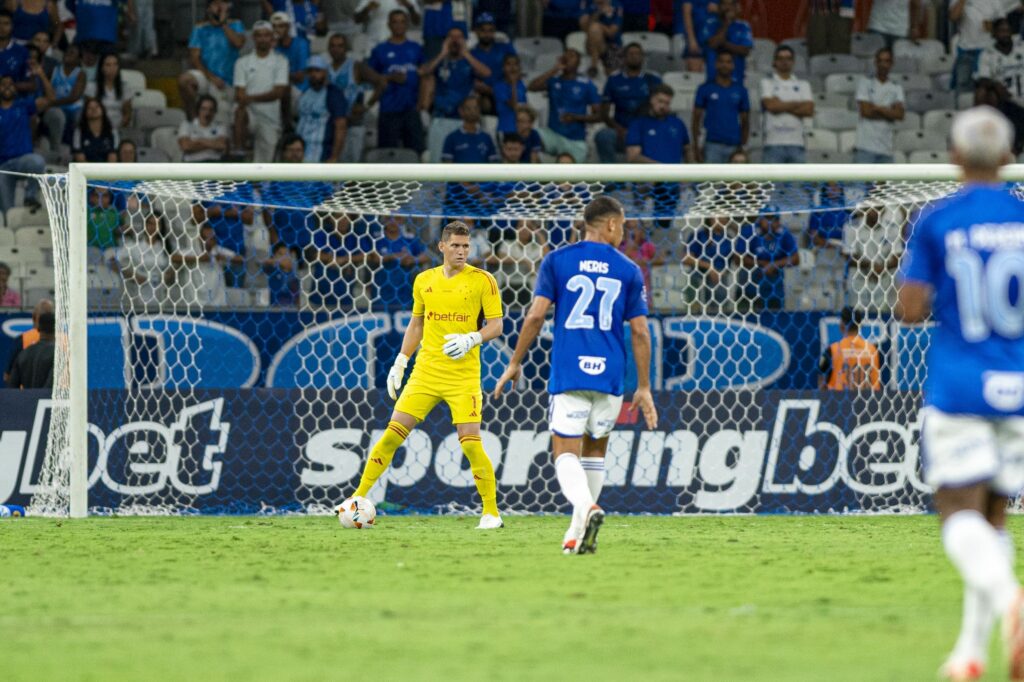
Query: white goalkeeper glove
x,y
459,344
396,375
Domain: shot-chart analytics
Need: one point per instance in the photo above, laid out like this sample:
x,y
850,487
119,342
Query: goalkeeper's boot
x,y
591,527
490,522
1013,637
961,669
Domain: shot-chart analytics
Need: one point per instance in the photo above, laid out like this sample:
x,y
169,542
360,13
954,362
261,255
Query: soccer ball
x,y
356,512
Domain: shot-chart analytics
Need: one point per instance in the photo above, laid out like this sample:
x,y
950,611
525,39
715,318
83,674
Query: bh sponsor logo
x,y
592,364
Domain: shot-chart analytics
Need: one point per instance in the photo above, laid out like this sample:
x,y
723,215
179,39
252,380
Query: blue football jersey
x,y
596,290
970,249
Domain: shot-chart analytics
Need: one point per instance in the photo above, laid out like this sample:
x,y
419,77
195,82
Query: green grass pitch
x,y
430,598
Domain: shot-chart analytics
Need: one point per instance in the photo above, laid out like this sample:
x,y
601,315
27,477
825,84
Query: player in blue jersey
x,y
596,290
965,265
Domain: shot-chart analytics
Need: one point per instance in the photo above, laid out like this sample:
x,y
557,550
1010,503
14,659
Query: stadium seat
x,y
912,81
800,65
153,155
538,45
20,216
577,40
965,100
684,82
6,239
928,157
37,293
166,140
821,140
920,140
33,238
938,121
148,118
94,255
942,81
360,43
391,155
652,42
841,83
133,80
936,65
822,156
830,100
136,135
911,121
149,98
901,65
918,49
415,35
763,52
538,101
847,140
662,63
835,119
544,62
34,273
924,101
825,64
489,124
678,44
866,44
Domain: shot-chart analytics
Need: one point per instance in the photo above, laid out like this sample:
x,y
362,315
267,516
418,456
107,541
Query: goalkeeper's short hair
x,y
455,227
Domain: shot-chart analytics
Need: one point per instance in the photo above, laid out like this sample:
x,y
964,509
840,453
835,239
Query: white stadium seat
x,y
866,44
928,157
822,140
835,119
825,64
651,42
920,140
938,121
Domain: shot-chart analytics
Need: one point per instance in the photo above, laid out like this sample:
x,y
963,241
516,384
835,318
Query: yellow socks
x,y
380,457
483,472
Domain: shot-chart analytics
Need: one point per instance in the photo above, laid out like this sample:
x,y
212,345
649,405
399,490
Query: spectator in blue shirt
x,y
628,91
526,118
282,281
723,106
398,60
509,94
773,249
439,18
449,78
710,253
294,46
212,52
572,102
306,15
727,32
603,25
323,112
491,53
659,136
635,15
336,252
469,144
16,155
689,17
13,56
97,23
562,17
400,256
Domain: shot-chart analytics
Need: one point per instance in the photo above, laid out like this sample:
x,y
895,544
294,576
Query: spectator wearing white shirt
x,y
787,101
895,19
142,262
109,89
374,13
1001,65
873,243
973,19
203,139
204,281
880,103
261,85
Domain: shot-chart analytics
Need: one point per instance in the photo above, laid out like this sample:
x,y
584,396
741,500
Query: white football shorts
x,y
574,413
960,450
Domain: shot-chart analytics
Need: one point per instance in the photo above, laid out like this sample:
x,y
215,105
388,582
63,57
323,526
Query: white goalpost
x,y
719,349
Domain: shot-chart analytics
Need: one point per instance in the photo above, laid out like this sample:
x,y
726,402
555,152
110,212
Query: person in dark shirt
x,y
33,367
28,338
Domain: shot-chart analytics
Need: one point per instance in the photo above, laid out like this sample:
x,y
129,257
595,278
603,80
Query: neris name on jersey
x,y
598,266
988,237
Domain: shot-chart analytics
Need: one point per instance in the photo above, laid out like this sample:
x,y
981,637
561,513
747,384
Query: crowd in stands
x,y
449,82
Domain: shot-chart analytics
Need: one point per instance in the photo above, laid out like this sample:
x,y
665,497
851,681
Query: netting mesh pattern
x,y
240,334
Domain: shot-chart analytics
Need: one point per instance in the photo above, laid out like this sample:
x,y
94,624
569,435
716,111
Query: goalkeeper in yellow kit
x,y
449,304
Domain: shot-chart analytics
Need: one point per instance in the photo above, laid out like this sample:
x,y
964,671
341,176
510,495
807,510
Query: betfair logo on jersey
x,y
592,365
447,317
598,266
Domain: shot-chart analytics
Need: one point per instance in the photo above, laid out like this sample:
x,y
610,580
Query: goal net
x,y
239,332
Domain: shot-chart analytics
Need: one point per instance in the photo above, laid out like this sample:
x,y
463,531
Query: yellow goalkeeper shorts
x,y
420,395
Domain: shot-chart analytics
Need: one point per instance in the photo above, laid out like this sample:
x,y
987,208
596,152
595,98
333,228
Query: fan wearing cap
x,y
491,53
306,15
261,85
323,112
772,249
295,48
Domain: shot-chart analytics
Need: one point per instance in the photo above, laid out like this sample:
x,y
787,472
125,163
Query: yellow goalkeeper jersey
x,y
453,305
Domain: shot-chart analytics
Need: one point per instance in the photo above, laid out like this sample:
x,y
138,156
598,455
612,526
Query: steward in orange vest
x,y
850,364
